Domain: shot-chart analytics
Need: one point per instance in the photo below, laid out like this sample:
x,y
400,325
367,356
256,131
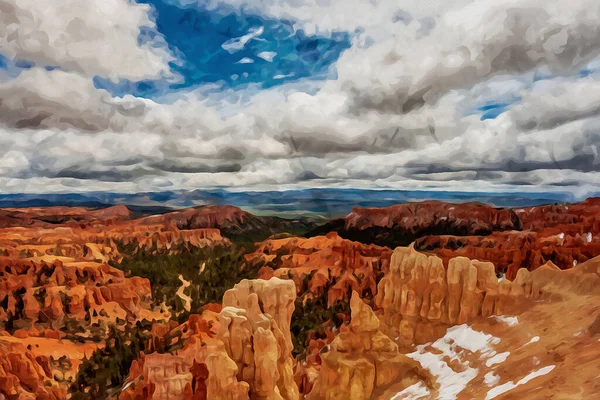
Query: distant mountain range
x,y
328,203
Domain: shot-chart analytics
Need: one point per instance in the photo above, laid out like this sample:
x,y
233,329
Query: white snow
x,y
453,345
451,383
534,339
510,321
498,390
497,359
414,392
467,338
491,379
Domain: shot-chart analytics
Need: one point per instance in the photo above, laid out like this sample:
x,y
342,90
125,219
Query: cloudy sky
x,y
478,95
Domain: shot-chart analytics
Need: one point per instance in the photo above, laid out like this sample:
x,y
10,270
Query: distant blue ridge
x,y
196,35
328,203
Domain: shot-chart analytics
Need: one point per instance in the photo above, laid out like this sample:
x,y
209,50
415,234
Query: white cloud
x,y
236,44
401,113
93,37
267,55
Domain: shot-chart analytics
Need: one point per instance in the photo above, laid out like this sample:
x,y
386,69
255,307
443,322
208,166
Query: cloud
x,y
236,44
468,45
94,37
404,111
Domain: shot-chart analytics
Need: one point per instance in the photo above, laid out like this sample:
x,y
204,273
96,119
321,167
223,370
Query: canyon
x,y
416,301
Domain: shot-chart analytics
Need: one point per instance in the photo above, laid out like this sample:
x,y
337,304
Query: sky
x,y
471,95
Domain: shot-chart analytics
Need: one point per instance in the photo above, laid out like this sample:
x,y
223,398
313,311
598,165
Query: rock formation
x,y
200,370
245,349
39,291
255,327
362,358
230,220
511,238
323,265
24,376
401,224
419,298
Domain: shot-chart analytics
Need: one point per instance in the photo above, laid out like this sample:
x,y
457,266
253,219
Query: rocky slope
x,y
401,224
565,234
481,337
421,323
59,295
49,216
232,221
326,267
362,360
244,350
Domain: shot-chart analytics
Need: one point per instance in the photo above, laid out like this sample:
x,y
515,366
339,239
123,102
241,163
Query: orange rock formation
x,y
362,359
243,350
323,265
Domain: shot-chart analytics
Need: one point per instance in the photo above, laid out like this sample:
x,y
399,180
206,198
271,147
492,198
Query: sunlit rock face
x,y
255,327
242,351
44,292
510,238
362,359
420,298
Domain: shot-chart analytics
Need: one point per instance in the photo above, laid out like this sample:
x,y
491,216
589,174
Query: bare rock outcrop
x,y
241,352
362,359
25,376
255,327
419,298
322,266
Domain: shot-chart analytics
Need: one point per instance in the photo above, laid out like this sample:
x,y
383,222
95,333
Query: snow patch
x,y
453,345
497,359
491,379
414,392
534,339
467,338
498,390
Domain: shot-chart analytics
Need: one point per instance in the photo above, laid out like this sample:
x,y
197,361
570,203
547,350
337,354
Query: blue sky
x,y
272,94
272,53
